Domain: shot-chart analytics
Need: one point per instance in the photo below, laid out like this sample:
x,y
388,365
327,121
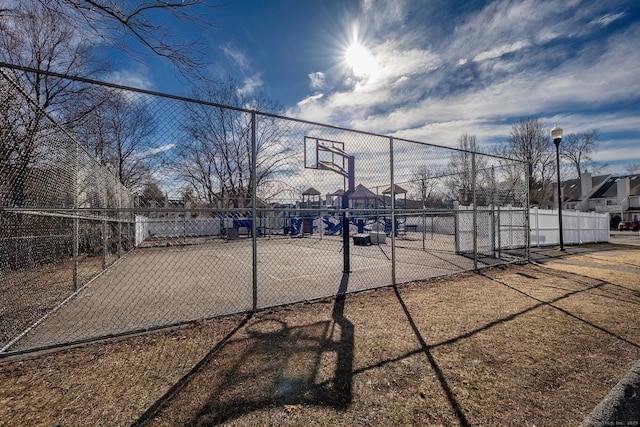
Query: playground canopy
x,y
311,192
363,193
396,190
362,197
309,196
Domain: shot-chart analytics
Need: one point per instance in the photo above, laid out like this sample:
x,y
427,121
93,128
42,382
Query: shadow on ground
x,y
271,364
274,365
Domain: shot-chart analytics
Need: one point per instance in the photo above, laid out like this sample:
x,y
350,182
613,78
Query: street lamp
x,y
556,135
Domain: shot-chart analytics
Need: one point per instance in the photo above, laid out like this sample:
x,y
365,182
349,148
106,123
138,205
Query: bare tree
x,y
38,38
632,168
529,142
578,149
141,28
151,195
118,133
14,155
425,182
460,169
216,158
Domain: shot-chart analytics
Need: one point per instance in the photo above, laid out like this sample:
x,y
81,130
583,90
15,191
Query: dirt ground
x,y
29,294
536,344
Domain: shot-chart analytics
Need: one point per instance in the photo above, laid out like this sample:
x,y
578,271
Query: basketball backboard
x,y
325,154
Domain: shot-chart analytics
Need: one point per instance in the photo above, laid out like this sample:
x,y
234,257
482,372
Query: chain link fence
x,y
148,210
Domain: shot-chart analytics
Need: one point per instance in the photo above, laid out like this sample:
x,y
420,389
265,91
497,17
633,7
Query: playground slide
x,y
331,228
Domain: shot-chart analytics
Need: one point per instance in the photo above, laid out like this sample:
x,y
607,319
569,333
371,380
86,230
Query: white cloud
x,y
310,99
433,92
250,84
130,78
501,50
397,61
251,80
382,14
317,80
618,152
237,57
153,151
607,19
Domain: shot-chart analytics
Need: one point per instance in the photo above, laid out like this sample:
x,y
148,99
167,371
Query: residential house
x,y
619,196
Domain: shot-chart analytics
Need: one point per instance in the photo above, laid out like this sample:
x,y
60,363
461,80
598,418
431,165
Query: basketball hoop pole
x,y
346,262
314,148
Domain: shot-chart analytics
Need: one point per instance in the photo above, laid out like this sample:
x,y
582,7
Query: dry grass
x,y
29,294
523,345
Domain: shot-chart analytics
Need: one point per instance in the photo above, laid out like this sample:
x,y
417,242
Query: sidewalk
x,y
625,237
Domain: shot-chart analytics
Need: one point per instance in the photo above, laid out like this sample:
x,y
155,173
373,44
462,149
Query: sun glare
x,y
360,60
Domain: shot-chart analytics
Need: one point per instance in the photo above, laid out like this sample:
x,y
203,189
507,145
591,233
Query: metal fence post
x,y
76,222
254,210
75,252
393,216
475,211
494,220
424,214
499,226
105,240
119,231
527,218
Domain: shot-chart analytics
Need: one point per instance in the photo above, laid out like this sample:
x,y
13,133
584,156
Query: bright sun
x,y
360,60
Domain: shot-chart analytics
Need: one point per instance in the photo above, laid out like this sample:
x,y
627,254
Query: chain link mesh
x,y
248,213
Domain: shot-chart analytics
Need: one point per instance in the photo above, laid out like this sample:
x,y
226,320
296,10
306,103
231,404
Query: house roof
x,y
609,189
571,188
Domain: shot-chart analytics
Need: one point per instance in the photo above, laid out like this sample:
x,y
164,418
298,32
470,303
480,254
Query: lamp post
x,y
556,135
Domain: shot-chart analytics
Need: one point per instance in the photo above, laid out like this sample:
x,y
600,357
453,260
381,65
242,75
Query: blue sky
x,y
432,70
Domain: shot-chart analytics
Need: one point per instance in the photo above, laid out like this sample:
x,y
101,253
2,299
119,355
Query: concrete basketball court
x,y
169,285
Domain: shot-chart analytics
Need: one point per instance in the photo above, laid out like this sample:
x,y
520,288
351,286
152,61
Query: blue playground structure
x,y
387,225
331,228
238,222
333,224
242,222
296,226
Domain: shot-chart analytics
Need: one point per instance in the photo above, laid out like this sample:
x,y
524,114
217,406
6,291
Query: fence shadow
x,y
426,349
275,365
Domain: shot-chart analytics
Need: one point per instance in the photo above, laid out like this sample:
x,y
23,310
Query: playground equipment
x,y
298,226
398,223
294,228
233,224
230,226
330,227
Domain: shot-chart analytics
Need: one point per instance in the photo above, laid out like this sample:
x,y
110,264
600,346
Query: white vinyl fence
x,y
175,227
498,229
577,227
